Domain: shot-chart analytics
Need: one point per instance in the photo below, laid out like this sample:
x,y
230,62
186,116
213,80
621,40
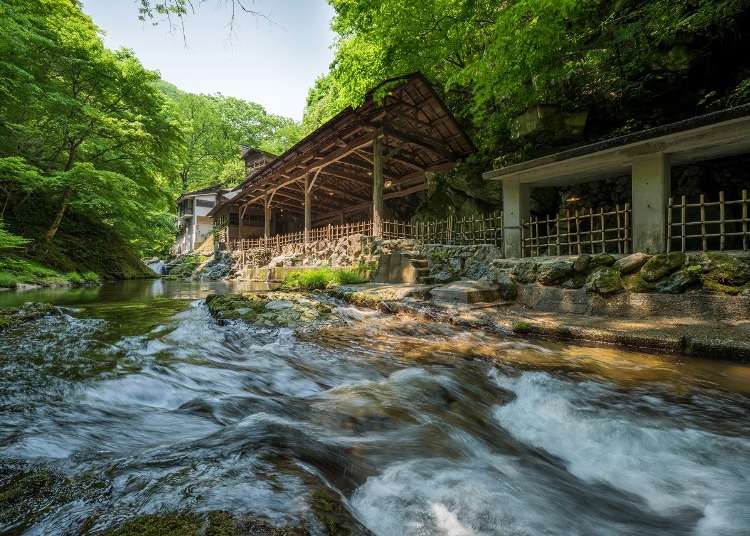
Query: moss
x,y
662,265
235,306
185,266
521,327
724,269
713,286
26,313
635,283
177,524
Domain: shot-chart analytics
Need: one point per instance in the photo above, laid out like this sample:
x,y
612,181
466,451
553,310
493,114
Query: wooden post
x,y
377,186
239,227
722,227
266,216
744,220
307,210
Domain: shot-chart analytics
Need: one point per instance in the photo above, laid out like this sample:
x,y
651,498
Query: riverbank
x,y
690,336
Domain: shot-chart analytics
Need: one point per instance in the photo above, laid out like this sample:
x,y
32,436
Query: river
x,y
417,428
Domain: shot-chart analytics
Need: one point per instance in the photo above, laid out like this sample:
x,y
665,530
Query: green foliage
x,y
321,278
627,65
9,240
214,127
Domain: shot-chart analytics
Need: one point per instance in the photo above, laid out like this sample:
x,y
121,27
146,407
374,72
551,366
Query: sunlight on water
x,y
418,428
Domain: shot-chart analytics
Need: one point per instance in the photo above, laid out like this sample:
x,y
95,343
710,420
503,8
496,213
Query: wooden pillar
x,y
377,187
266,216
239,223
307,209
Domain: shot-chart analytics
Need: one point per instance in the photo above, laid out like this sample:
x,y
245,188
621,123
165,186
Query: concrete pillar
x,y
515,212
377,187
307,209
651,186
266,216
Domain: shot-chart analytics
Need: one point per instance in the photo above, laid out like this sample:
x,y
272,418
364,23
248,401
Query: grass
x,y
321,278
15,271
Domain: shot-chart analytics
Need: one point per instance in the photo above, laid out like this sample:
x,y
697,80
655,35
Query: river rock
x,y
631,263
605,280
581,264
551,273
507,286
525,271
662,265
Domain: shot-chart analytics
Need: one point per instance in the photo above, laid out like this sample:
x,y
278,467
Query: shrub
x,y
91,277
74,277
7,280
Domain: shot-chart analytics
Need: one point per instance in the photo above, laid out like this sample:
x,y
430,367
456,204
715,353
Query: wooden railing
x,y
450,231
708,225
581,231
484,229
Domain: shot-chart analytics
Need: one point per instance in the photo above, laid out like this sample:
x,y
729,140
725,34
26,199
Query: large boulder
x,y
631,263
605,280
552,273
662,265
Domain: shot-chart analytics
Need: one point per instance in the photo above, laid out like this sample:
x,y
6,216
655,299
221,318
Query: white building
x,y
194,225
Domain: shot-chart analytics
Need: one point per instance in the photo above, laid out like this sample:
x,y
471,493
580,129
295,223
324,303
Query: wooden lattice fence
x,y
708,225
484,229
580,231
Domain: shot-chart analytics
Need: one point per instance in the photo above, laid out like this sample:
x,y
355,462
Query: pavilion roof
x,y
419,134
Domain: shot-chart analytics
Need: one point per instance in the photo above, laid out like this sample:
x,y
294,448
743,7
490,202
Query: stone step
x,y
426,280
466,292
419,263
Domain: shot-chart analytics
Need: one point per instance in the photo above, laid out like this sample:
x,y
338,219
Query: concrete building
x,y
647,156
193,222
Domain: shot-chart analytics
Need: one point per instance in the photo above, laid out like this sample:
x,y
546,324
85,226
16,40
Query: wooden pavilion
x,y
387,148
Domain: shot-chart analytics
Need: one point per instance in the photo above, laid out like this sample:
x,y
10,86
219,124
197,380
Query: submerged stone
x,y
662,265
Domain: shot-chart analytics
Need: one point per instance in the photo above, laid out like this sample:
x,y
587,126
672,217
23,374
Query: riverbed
x,y
134,397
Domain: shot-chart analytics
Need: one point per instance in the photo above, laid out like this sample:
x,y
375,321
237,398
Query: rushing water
x,y
419,428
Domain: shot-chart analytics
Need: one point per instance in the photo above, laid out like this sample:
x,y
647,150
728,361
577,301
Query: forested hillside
x,y
598,67
94,148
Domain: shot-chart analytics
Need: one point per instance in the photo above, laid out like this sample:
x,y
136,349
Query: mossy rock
x,y
662,265
724,269
525,271
29,492
681,280
331,513
217,523
599,260
581,264
604,280
28,312
235,306
718,288
635,283
552,273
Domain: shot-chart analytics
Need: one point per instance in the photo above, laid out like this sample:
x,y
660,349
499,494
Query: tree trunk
x,y
67,193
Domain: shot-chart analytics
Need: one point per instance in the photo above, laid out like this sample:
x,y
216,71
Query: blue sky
x,y
273,64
